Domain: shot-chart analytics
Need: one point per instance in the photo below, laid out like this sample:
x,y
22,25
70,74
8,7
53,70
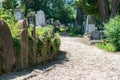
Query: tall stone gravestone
x,y
7,51
24,43
18,14
90,25
32,22
40,18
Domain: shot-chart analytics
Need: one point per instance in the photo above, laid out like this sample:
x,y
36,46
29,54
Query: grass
x,y
108,47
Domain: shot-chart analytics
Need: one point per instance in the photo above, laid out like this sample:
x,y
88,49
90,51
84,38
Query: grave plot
x,y
91,32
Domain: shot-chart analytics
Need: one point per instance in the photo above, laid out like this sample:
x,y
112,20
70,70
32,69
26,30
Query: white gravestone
x,y
18,14
0,3
40,18
90,26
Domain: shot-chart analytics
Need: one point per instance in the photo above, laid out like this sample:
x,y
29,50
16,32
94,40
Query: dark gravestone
x,y
31,19
95,35
24,43
6,47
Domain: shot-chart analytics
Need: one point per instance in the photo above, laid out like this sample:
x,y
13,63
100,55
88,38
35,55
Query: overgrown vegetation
x,y
74,31
112,33
43,34
108,47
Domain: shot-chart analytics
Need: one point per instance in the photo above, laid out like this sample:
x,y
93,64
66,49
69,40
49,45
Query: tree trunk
x,y
103,10
114,9
80,16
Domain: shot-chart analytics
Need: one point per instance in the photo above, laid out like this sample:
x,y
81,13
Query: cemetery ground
x,y
77,60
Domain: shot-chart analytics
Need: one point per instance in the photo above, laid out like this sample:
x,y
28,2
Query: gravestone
x,y
32,22
90,25
40,18
91,28
0,3
24,43
31,19
6,47
18,14
95,35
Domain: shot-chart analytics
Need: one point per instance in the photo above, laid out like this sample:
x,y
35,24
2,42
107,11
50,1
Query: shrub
x,y
112,32
74,31
7,16
108,47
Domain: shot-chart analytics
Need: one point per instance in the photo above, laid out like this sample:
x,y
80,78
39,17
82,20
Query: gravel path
x,y
80,62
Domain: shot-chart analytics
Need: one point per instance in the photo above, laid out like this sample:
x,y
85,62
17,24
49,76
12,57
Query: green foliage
x,y
40,45
108,46
54,43
30,43
10,4
17,46
7,16
112,32
90,7
75,31
44,34
14,30
58,10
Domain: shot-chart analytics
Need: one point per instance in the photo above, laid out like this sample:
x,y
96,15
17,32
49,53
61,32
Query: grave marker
x,y
24,43
90,25
31,19
18,14
6,47
40,18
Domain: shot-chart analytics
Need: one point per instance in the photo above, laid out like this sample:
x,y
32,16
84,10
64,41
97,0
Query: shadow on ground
x,y
61,58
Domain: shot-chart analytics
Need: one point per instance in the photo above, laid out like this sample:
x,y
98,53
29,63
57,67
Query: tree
x,y
79,16
101,8
52,8
9,4
115,7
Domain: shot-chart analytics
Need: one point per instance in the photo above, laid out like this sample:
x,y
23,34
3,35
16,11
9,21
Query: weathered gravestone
x,y
40,18
90,25
7,51
31,19
18,14
0,3
32,22
24,43
95,37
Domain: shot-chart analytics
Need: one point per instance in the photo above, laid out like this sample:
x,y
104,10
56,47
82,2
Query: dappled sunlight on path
x,y
79,61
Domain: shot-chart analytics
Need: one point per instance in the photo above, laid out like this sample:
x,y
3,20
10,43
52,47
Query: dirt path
x,y
80,62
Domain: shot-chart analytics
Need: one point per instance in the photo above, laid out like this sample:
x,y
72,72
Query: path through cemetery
x,y
76,61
